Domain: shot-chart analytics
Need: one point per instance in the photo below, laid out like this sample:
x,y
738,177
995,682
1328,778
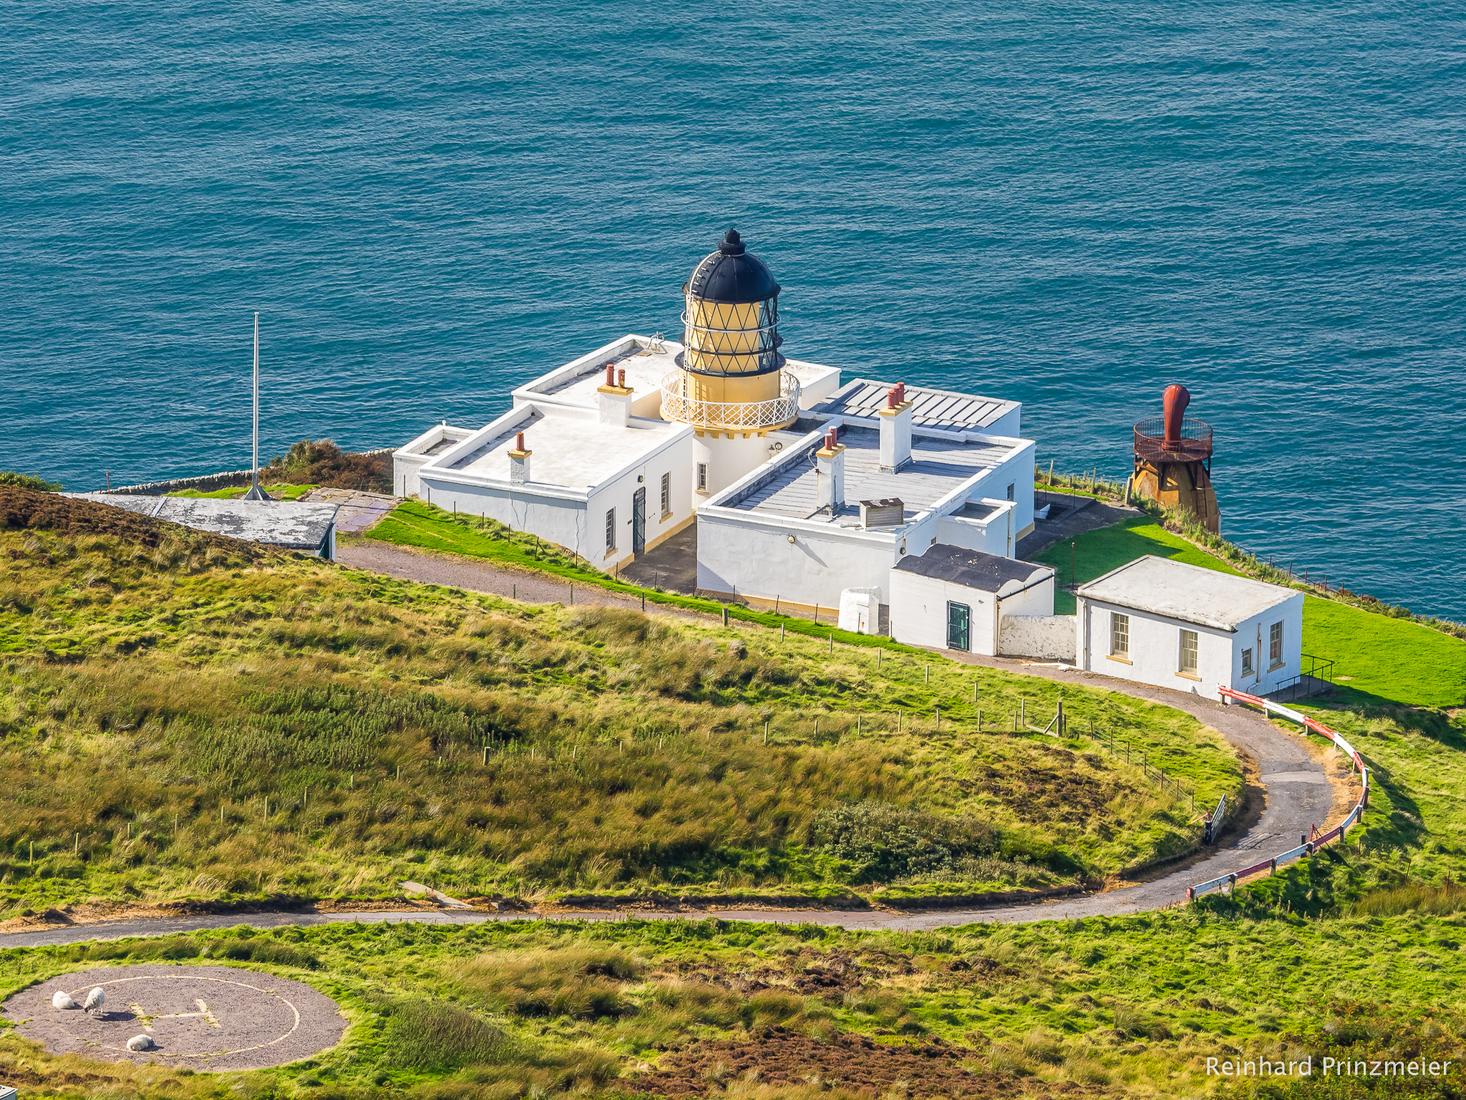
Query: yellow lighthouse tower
x,y
730,384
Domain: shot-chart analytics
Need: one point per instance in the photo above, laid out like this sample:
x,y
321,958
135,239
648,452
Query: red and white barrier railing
x,y
1272,863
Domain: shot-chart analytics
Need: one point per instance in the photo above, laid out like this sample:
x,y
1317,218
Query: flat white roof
x,y
645,359
1191,593
569,448
939,466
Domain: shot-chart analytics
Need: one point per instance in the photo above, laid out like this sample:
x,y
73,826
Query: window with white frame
x,y
1275,645
1119,634
610,529
702,477
1187,660
666,494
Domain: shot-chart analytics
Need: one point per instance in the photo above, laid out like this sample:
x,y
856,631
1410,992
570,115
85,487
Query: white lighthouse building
x,y
805,492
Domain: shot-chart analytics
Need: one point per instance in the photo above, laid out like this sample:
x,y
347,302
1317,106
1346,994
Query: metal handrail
x,y
736,415
1313,726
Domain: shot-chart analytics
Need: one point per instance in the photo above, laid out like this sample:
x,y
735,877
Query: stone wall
x,y
1051,637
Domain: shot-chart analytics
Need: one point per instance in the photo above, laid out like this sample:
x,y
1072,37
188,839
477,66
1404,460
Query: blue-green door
x,y
959,626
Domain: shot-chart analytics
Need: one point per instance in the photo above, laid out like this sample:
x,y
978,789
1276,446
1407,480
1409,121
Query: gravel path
x,y
1297,791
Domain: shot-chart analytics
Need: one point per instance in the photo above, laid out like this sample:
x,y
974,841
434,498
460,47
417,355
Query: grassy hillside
x,y
1106,1008
185,719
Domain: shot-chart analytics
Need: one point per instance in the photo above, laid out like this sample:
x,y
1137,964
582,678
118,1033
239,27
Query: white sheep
x,y
95,1000
63,999
141,1042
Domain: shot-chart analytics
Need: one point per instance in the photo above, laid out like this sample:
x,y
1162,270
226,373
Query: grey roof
x,y
289,524
1191,593
938,467
972,568
941,409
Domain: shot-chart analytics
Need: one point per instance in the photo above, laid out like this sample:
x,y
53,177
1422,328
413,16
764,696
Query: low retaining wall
x,y
1272,863
205,483
1047,636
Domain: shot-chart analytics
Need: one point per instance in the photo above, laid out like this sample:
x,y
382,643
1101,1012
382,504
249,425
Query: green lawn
x,y
1102,1008
1394,660
281,491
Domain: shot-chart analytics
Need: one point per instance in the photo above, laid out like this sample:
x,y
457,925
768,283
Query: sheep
x,y
95,1000
140,1043
63,999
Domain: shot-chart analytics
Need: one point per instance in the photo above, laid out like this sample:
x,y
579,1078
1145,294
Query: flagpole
x,y
254,470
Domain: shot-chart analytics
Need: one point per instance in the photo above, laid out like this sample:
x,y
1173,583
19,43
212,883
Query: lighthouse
x,y
730,385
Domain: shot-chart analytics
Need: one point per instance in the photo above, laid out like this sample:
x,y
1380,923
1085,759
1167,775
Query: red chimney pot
x,y
519,442
610,373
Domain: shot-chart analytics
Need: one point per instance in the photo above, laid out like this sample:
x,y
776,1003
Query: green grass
x,y
253,726
1108,1008
427,527
283,491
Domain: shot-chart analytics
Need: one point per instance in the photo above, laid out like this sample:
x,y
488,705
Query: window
x,y
1011,486
610,528
666,494
1247,661
959,626
1186,664
702,477
1275,645
1119,635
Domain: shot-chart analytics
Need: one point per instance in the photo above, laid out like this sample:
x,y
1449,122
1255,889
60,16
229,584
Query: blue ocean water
x,y
1072,204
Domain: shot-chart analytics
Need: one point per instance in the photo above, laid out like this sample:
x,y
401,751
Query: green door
x,y
959,626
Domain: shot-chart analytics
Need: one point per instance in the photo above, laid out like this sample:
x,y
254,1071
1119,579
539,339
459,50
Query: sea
x,y
1070,204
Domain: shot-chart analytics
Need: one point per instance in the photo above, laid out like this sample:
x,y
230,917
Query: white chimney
x,y
614,398
895,421
830,473
519,462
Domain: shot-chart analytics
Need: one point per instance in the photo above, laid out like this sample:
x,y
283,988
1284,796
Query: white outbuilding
x,y
954,598
1163,622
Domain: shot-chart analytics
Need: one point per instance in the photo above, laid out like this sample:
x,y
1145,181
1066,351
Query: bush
x,y
580,982
882,843
321,462
28,481
437,1037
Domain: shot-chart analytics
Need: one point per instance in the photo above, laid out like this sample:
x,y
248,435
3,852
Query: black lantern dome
x,y
732,274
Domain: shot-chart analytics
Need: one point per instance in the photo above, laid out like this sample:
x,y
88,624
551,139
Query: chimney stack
x,y
614,397
519,461
830,473
895,424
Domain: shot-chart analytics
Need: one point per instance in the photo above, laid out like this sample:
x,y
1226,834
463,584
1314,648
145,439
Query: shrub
x,y
28,481
321,462
881,842
436,1037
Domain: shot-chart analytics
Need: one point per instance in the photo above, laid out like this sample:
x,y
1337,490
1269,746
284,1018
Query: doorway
x,y
638,522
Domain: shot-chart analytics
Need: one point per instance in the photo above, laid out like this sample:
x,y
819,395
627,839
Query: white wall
x,y
749,558
1254,634
728,459
1050,637
992,536
405,474
1155,649
618,493
919,612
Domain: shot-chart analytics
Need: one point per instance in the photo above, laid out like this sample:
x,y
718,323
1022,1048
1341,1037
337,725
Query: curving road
x,y
1298,796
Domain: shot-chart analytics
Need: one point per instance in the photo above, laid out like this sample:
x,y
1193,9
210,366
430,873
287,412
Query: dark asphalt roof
x,y
972,568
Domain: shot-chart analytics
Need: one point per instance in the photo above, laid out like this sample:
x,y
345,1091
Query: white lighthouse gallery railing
x,y
743,416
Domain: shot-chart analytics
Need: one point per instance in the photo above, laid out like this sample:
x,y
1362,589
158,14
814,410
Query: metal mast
x,y
255,492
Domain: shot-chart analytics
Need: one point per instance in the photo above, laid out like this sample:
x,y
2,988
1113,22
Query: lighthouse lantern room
x,y
730,384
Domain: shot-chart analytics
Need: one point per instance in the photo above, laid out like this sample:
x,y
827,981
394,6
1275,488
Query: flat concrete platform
x,y
672,565
200,1017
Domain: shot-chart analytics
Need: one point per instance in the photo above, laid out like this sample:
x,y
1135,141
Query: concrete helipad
x,y
200,1017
